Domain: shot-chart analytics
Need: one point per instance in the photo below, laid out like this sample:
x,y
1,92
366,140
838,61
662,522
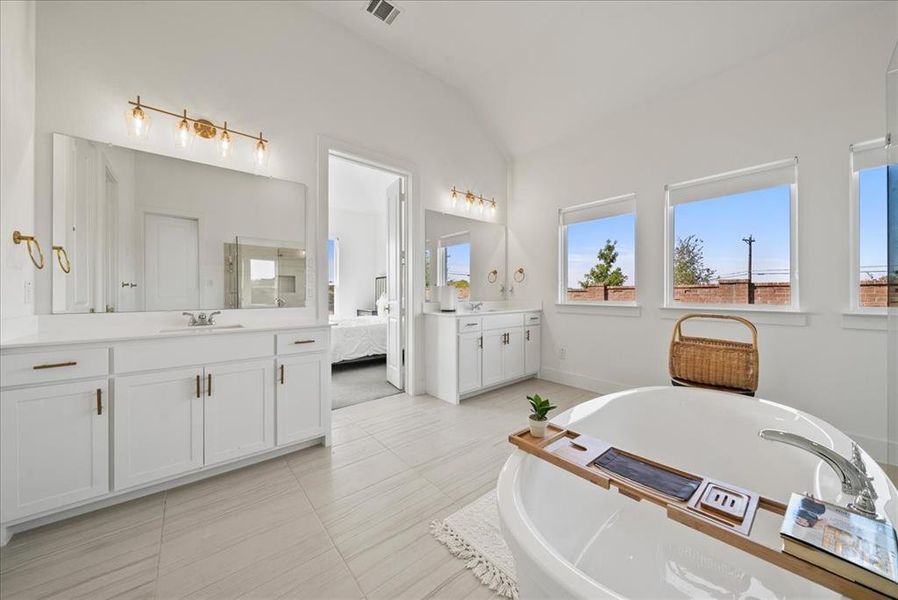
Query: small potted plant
x,y
539,408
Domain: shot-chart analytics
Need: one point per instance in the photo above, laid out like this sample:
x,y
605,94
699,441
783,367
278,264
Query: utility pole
x,y
751,288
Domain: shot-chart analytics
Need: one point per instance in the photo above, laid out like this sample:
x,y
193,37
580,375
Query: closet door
x,y
158,425
239,409
55,446
301,403
470,362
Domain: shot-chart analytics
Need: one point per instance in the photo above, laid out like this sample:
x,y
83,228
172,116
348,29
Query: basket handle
x,y
678,328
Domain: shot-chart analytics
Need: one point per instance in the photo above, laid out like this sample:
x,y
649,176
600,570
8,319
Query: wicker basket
x,y
714,362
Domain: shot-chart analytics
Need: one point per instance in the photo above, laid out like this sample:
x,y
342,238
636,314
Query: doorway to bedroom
x,y
366,280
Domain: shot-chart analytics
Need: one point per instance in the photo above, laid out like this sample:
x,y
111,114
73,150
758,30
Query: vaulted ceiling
x,y
538,71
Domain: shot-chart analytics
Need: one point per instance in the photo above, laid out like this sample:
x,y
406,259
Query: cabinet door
x,y
493,357
531,350
514,353
158,423
55,446
302,402
469,362
239,409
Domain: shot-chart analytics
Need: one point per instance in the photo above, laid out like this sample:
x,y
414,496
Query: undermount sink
x,y
199,328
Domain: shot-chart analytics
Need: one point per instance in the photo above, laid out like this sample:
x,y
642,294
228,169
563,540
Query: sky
x,y
722,222
458,262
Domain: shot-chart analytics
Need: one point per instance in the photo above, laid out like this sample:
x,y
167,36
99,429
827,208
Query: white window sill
x,y
614,309
875,319
765,316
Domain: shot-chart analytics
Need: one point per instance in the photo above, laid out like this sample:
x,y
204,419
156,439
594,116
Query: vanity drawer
x,y
299,342
468,324
151,355
53,365
505,321
531,319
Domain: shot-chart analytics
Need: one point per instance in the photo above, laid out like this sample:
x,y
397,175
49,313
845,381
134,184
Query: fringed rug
x,y
474,535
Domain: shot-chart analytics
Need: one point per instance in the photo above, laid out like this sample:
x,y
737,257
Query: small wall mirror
x,y
135,231
466,254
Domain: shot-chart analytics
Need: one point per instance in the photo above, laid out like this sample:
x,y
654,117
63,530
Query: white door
x,y
239,409
55,446
514,353
493,357
171,262
531,349
469,361
302,381
158,425
395,284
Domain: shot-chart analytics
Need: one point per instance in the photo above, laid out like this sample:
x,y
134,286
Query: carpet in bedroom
x,y
360,382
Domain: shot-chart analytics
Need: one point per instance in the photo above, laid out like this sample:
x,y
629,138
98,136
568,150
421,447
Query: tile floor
x,y
350,521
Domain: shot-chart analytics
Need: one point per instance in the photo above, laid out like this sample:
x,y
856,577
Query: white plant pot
x,y
538,428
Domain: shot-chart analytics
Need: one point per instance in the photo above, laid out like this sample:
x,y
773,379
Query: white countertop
x,y
148,332
481,313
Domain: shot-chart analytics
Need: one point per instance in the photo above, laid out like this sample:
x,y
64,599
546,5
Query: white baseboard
x,y
581,381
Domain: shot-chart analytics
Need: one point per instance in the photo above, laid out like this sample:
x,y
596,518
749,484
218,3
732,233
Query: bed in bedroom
x,y
355,339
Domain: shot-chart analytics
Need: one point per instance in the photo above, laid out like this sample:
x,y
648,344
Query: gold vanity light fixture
x,y
471,198
138,123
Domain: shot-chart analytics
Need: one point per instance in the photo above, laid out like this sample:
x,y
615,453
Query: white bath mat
x,y
474,535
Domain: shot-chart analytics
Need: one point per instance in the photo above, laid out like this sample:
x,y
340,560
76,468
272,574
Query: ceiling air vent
x,y
383,10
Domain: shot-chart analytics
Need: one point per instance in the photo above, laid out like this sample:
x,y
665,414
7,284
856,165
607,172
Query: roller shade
x,y
612,207
734,182
869,155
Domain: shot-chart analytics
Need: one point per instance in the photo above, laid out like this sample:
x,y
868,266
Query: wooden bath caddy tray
x,y
715,508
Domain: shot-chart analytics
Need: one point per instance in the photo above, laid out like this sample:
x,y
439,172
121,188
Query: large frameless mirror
x,y
135,231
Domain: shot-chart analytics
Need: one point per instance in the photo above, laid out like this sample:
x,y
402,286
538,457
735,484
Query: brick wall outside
x,y
732,291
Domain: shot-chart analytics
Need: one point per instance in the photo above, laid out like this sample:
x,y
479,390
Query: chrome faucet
x,y
201,320
192,322
475,306
852,473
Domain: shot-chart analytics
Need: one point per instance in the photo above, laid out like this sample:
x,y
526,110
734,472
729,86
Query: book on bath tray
x,y
843,542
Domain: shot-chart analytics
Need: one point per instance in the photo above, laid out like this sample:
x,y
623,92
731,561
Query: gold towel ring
x,y
492,276
18,238
519,275
60,254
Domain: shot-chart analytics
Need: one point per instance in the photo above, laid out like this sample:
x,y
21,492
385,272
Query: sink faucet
x,y
852,473
476,306
201,320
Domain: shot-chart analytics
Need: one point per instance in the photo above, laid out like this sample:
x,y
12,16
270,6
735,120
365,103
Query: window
x,y
597,243
333,271
731,238
869,215
455,264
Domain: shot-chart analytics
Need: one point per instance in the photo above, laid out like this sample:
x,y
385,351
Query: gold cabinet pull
x,y
60,254
198,386
18,237
209,384
99,401
282,374
304,342
70,363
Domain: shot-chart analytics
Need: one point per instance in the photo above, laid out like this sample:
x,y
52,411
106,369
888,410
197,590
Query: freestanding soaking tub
x,y
573,539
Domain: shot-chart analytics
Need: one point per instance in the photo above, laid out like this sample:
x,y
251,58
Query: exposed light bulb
x,y
261,154
137,121
183,134
481,206
224,143
493,207
454,197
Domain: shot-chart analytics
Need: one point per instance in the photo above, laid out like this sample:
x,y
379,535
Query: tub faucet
x,y
852,473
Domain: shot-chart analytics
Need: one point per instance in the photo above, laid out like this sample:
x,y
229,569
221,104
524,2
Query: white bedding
x,y
357,337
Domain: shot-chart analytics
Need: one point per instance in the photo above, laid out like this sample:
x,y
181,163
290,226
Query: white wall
x,y
272,66
362,257
810,100
17,84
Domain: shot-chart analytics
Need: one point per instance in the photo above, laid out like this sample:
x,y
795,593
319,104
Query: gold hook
x,y
60,254
18,238
519,275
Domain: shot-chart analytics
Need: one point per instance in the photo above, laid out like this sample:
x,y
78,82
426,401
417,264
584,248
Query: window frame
x,y
854,226
624,204
458,238
794,305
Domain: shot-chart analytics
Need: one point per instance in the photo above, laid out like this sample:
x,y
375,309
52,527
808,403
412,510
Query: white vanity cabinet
x,y
470,353
182,407
54,444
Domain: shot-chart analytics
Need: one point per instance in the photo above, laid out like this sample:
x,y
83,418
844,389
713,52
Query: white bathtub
x,y
573,539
